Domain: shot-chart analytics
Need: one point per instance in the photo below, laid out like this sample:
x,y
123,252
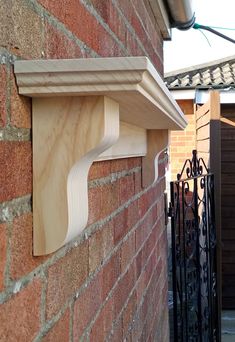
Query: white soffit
x,y
202,96
183,94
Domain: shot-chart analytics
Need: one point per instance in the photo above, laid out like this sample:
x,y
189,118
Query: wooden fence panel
x,y
208,140
227,204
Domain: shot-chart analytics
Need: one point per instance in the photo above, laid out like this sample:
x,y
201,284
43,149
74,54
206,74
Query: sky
x,y
188,48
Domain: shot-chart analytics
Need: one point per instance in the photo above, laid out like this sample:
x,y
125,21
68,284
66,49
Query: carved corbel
x,y
77,108
69,134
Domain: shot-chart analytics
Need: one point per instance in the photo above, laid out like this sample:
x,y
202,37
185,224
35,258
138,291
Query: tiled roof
x,y
216,74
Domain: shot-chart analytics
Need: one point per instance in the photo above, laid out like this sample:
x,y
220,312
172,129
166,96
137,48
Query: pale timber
x,y
133,82
78,107
61,163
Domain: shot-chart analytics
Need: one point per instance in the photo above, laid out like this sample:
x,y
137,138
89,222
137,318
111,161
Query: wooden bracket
x,y
78,106
157,142
69,134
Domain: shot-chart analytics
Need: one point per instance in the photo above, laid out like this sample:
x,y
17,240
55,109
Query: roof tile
x,y
219,73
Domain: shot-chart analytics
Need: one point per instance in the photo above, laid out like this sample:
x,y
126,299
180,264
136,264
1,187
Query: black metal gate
x,y
194,275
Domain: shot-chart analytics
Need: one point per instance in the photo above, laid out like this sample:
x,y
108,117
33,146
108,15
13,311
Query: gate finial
x,y
194,167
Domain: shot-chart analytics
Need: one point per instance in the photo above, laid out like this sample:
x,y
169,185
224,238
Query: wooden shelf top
x,y
133,82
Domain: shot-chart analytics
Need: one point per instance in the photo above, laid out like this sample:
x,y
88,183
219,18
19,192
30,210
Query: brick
x,y
174,138
20,107
16,175
129,312
133,45
143,204
123,289
134,162
118,165
151,241
3,253
21,29
147,34
117,333
161,169
58,45
103,8
94,205
127,251
128,337
117,24
103,323
152,30
65,277
138,182
154,213
144,309
149,271
126,188
20,315
138,261
59,331
22,260
109,199
86,306
136,328
110,274
163,244
132,214
145,334
159,188
100,245
145,253
120,226
111,17
160,206
140,235
148,222
99,170
3,95
150,197
150,268
68,13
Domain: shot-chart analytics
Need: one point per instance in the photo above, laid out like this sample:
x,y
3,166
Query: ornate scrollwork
x,y
194,253
193,168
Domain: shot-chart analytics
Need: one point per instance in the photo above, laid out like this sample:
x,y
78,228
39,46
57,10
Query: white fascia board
x,y
184,94
202,96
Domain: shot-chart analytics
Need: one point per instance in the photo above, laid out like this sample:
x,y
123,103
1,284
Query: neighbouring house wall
x,y
183,142
110,282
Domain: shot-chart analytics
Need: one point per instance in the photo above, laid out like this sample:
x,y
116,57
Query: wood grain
x,y
133,82
69,133
77,107
203,120
203,146
157,142
132,142
203,132
209,145
202,110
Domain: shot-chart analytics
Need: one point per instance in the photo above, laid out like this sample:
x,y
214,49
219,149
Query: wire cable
x,y
207,28
222,28
205,37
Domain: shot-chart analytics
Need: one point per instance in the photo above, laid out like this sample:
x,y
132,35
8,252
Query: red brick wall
x,y
110,282
183,142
